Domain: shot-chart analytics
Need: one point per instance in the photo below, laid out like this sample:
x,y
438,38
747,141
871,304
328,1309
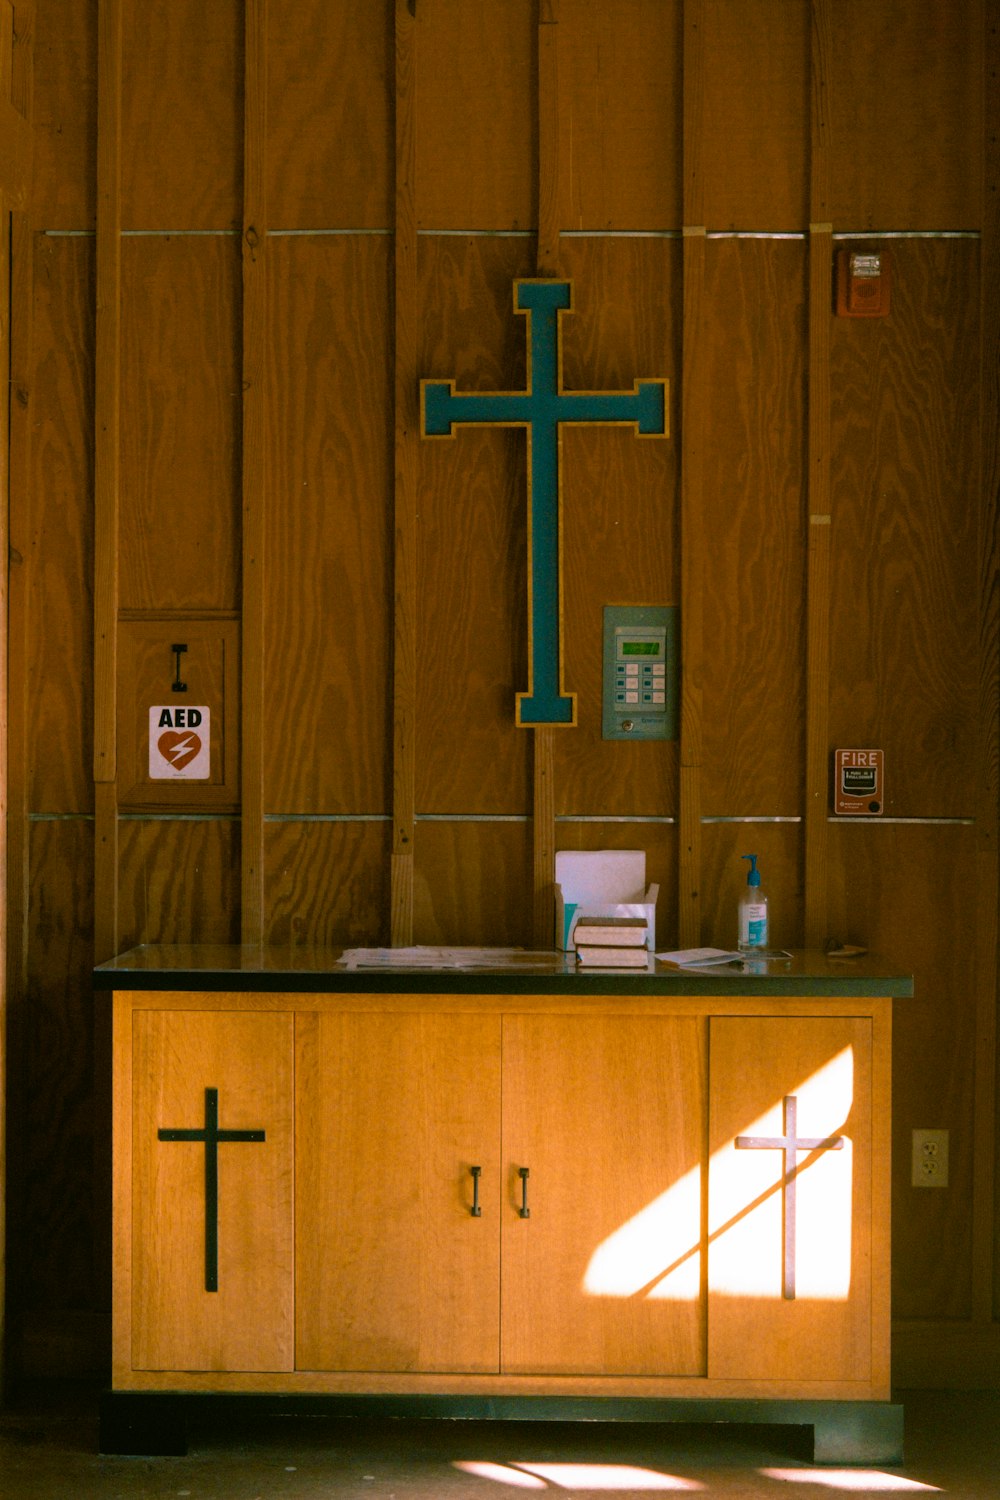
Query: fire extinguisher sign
x,y
179,743
859,783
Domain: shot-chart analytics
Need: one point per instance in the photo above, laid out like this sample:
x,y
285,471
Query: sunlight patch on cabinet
x,y
650,1255
748,1198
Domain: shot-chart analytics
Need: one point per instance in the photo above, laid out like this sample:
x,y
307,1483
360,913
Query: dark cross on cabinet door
x,y
791,1144
212,1137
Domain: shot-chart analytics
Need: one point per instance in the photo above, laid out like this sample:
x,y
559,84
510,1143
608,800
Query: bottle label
x,y
754,917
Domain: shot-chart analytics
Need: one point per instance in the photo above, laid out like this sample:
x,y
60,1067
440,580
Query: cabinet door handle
x,y
524,1210
475,1210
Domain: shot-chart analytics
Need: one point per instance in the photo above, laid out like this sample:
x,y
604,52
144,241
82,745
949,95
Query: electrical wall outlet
x,y
930,1158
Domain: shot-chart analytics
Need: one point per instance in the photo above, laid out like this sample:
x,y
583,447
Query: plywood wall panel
x,y
329,114
179,503
475,147
182,114
905,114
754,152
753,603
904,559
328,539
904,891
52,1151
620,114
472,884
327,883
64,183
472,602
619,509
178,881
60,507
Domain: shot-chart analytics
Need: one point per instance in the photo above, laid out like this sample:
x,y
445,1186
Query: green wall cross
x,y
542,410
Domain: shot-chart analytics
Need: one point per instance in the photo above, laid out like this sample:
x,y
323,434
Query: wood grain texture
x,y
179,542
472,539
751,527
156,907
753,148
693,571
52,1150
55,538
826,1329
621,93
15,790
917,78
327,883
181,106
392,1270
329,527
255,435
247,1322
818,471
108,390
904,575
63,83
329,149
407,440
986,1226
595,1289
473,884
905,891
475,162
620,503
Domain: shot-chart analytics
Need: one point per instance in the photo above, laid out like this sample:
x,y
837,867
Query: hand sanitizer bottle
x,y
752,911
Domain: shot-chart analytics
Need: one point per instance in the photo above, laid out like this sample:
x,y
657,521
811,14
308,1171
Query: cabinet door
x,y
394,1272
212,1178
607,1114
790,1221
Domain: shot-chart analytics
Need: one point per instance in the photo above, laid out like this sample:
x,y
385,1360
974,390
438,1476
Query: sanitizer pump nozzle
x,y
752,911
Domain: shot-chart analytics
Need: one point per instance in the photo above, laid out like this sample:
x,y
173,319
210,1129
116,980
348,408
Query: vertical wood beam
x,y
107,411
985,1228
17,292
405,495
816,832
693,399
254,470
547,257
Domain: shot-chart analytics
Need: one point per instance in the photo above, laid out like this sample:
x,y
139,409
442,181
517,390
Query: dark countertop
x,y
305,970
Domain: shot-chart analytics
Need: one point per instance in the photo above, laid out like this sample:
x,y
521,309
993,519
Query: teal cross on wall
x,y
542,410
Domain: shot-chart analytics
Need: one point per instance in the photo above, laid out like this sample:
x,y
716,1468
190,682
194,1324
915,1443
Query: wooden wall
x,y
253,227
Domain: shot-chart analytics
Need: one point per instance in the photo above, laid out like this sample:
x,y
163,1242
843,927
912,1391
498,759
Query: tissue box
x,y
602,883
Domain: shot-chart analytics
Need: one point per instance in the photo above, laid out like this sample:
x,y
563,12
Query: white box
x,y
602,883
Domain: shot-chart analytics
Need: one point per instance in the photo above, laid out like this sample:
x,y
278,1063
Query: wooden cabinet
x,y
550,1194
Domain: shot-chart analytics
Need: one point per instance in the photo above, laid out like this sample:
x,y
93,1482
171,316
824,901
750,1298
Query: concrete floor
x,y
48,1451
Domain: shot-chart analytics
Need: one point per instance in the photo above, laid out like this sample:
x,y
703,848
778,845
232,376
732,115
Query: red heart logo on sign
x,y
179,747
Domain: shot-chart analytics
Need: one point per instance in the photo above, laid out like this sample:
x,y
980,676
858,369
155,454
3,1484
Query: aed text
x,y
180,718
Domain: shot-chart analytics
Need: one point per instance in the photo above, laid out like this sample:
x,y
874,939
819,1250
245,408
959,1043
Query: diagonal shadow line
x,y
777,1187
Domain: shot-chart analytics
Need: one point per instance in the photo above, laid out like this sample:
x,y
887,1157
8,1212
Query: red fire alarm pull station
x,y
859,784
862,283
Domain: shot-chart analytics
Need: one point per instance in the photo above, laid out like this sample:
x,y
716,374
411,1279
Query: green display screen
x,y
640,648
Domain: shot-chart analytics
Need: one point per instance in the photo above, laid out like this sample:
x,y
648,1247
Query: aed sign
x,y
179,743
859,783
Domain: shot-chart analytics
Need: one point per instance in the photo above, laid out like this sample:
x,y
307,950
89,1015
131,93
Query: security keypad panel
x,y
640,672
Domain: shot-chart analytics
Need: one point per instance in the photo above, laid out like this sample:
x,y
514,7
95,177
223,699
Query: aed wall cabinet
x,y
177,666
544,1192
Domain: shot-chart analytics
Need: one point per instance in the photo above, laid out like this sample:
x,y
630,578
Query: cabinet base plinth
x,y
155,1423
